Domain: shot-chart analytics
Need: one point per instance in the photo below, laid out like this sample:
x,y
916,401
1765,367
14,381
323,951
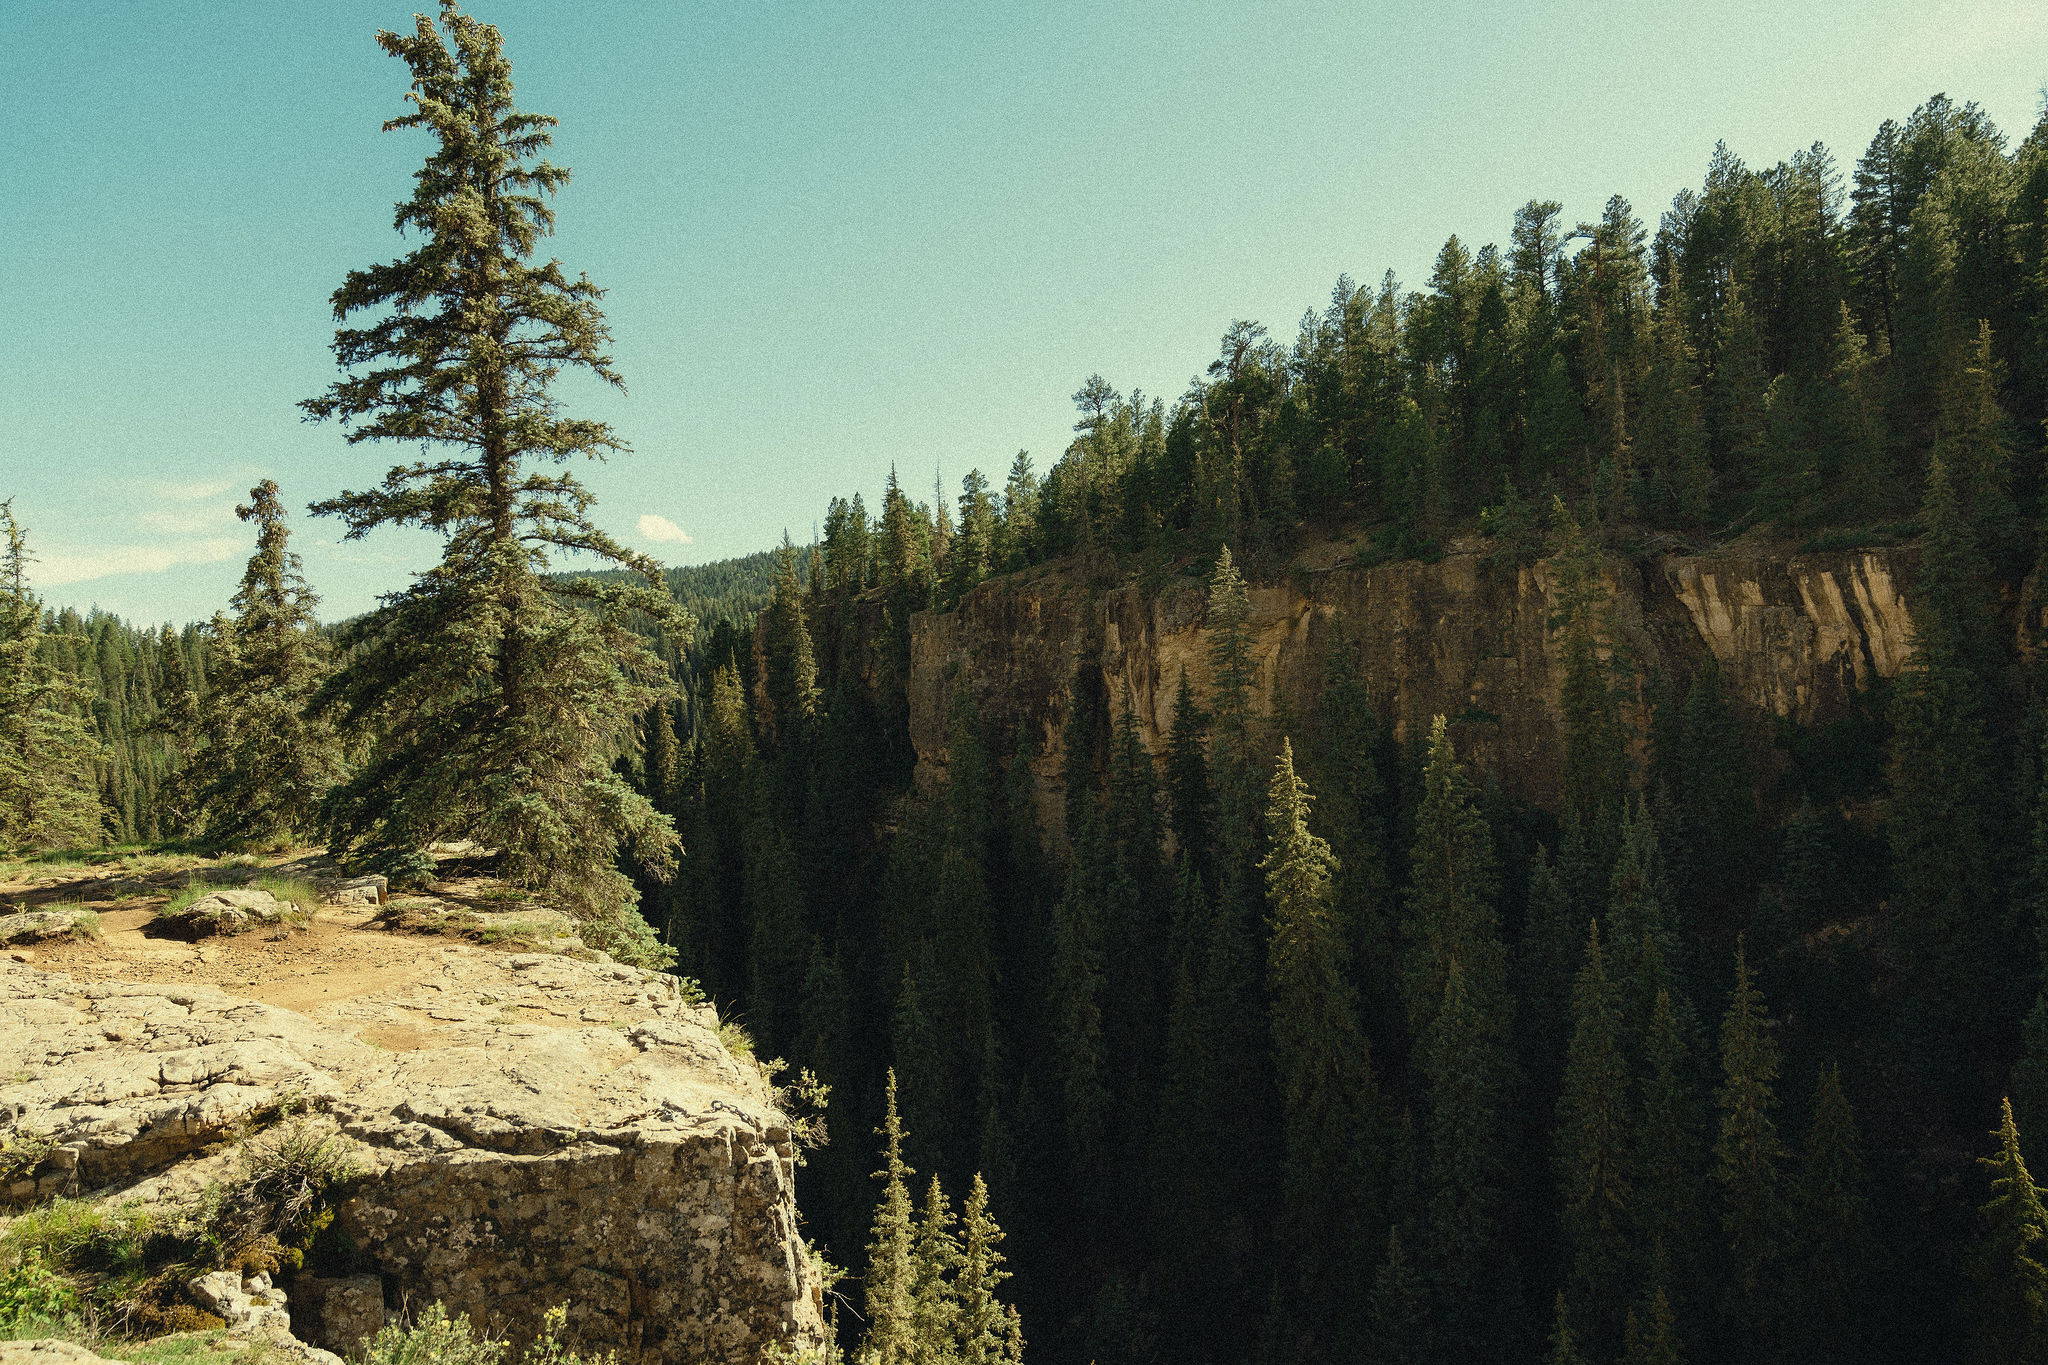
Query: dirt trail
x,y
337,956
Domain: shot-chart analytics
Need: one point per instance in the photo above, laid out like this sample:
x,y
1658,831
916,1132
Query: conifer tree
x,y
1832,1212
1718,806
1595,759
1591,1152
792,669
1352,795
662,759
1327,1091
1077,1012
496,692
892,1261
1548,966
920,1058
2011,1314
1651,1337
1452,883
1190,800
1230,661
1747,1158
268,763
1564,1346
1954,928
1669,1154
49,783
935,1258
1477,1290
989,1331
1399,1310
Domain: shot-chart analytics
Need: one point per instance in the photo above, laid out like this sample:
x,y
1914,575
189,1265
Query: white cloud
x,y
191,492
55,570
187,521
661,528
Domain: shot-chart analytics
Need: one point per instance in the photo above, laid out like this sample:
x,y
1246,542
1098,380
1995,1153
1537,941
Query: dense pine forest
x,y
1297,1041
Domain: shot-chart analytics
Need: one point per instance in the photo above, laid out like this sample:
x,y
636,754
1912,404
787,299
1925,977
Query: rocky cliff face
x,y
532,1131
1794,635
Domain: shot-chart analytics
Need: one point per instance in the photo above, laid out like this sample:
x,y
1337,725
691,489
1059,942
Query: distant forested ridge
x,y
127,672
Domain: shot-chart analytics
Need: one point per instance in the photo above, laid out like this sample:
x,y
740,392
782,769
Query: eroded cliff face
x,y
1794,635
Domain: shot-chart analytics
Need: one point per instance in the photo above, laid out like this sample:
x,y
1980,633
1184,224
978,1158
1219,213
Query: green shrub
x,y
74,1235
294,891
431,1338
36,1301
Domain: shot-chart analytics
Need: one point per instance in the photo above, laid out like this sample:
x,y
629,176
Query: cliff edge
x,y
527,1129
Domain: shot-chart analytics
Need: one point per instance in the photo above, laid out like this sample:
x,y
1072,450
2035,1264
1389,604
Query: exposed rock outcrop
x,y
231,910
1795,635
532,1130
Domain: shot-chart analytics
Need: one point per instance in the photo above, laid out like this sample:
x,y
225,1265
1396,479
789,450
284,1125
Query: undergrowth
x,y
122,1268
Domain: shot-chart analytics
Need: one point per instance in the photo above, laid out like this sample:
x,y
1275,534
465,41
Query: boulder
x,y
356,891
229,910
38,926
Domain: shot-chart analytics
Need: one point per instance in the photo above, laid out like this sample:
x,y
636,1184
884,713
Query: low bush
x,y
432,1337
294,891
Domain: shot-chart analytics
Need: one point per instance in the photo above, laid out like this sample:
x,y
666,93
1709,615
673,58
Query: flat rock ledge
x,y
534,1130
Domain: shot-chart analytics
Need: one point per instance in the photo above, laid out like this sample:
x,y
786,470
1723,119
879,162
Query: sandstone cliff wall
x,y
1794,635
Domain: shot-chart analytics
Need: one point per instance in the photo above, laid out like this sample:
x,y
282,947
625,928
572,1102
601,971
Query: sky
x,y
836,237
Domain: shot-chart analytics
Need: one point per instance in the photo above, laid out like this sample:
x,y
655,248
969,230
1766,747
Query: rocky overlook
x,y
529,1128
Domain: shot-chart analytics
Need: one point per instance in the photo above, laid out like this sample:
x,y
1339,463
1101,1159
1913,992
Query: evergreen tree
x,y
1833,1232
1452,883
989,1330
267,762
1669,1155
496,692
1564,1346
792,669
2011,1316
892,1260
935,1259
1747,1159
1591,1153
1191,802
1477,1291
1954,928
1595,756
1651,1338
1327,1092
1398,1312
49,783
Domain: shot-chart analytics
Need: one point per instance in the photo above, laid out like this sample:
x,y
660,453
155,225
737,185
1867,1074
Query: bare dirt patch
x,y
338,955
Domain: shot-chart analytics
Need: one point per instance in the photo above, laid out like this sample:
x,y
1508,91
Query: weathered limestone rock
x,y
39,926
345,1313
251,1305
534,1130
372,890
230,910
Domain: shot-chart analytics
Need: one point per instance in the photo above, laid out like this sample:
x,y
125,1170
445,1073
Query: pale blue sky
x,y
836,236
